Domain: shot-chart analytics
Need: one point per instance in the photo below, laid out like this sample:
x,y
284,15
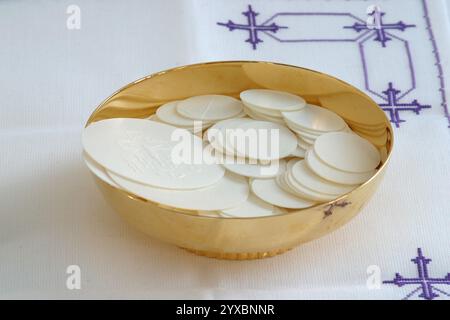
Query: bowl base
x,y
237,255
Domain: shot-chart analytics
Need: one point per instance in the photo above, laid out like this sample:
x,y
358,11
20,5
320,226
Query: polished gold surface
x,y
245,238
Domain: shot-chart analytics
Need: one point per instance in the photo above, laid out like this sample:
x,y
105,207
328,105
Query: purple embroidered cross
x,y
252,27
393,107
423,280
380,28
380,32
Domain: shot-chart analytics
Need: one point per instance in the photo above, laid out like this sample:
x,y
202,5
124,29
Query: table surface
x,y
54,74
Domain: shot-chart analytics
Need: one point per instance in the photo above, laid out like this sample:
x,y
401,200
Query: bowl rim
x,y
134,197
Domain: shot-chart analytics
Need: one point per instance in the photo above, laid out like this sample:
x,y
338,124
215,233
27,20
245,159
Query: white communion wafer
x,y
221,133
307,140
304,192
298,152
307,178
269,191
347,129
263,117
98,170
347,152
316,118
300,130
282,183
228,192
329,173
245,168
153,117
150,152
211,213
263,140
210,107
268,112
242,114
272,100
168,113
291,163
303,144
195,129
307,135
252,207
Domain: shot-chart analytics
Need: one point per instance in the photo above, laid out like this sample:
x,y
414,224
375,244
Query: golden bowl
x,y
245,238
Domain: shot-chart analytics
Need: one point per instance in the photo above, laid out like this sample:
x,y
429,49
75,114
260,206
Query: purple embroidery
x,y
391,96
329,208
362,51
393,107
426,285
333,38
380,30
269,30
252,27
438,62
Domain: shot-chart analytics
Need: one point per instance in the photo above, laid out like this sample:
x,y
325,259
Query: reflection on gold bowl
x,y
245,238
